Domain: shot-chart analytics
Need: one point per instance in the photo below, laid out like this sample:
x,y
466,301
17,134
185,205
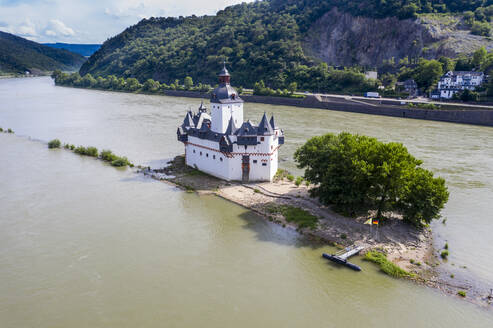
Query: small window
x,y
254,161
264,164
200,153
213,156
221,159
262,138
194,151
206,154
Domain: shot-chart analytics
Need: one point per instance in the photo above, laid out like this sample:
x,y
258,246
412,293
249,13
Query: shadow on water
x,y
266,231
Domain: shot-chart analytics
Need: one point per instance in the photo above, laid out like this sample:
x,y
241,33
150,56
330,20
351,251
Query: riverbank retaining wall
x,y
469,116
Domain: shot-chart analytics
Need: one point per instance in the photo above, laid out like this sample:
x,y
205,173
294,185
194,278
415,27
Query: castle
x,y
223,145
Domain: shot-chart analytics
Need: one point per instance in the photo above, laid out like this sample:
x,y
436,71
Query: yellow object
x,y
367,221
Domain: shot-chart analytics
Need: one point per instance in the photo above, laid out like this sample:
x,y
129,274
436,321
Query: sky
x,y
92,21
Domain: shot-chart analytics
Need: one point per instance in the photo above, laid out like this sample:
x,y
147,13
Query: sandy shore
x,y
410,249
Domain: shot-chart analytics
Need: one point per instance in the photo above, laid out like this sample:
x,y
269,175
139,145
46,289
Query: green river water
x,y
83,244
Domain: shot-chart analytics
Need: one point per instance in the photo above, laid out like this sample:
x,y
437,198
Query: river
x,y
83,244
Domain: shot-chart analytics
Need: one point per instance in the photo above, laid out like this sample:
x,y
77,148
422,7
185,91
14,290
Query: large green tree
x,y
357,174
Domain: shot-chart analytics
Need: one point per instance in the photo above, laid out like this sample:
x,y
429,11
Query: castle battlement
x,y
223,145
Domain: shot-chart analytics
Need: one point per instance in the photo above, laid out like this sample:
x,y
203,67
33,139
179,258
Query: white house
x,y
223,145
452,82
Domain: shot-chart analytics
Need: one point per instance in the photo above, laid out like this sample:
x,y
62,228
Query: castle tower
x,y
225,104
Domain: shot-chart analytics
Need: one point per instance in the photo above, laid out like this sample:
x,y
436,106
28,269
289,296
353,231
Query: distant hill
x,y
18,55
82,49
283,41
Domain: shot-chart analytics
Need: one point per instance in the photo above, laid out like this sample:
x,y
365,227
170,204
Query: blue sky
x,y
91,21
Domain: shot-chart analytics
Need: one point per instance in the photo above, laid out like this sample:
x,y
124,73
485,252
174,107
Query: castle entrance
x,y
245,168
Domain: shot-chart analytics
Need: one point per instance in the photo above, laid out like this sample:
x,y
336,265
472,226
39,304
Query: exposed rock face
x,y
342,39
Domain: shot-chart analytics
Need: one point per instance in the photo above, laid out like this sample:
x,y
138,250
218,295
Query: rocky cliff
x,y
342,39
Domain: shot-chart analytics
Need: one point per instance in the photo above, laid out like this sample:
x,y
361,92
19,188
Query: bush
x,y
446,246
1,130
385,265
120,161
89,151
9,130
298,181
108,156
444,254
66,146
290,177
461,293
55,143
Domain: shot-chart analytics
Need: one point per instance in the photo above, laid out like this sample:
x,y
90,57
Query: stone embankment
x,y
448,113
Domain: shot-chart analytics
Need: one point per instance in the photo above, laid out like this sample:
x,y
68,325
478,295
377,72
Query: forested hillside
x,y
18,55
263,40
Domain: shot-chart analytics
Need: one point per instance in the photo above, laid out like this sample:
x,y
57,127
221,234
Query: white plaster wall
x,y
221,114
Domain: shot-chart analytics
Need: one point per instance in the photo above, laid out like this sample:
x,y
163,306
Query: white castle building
x,y
222,145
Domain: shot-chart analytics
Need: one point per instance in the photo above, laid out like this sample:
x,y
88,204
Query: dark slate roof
x,y
246,129
188,121
224,72
264,127
272,123
231,129
225,94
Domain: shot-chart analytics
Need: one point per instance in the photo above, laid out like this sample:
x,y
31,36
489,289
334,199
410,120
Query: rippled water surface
x,y
85,245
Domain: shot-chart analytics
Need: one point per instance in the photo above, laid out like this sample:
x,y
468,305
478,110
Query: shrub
x,y
1,130
55,143
446,246
411,261
72,147
89,151
281,174
298,181
92,151
66,146
120,161
256,190
290,177
444,254
343,236
461,293
307,183
108,156
385,265
9,130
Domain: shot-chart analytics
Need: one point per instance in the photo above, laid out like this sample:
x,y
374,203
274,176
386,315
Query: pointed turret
x,y
231,129
264,128
188,122
202,108
272,123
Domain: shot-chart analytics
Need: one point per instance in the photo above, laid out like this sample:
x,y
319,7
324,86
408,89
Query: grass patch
x,y
55,143
299,216
385,265
461,293
444,254
256,190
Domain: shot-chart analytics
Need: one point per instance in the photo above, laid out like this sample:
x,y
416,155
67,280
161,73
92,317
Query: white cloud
x,y
92,21
56,27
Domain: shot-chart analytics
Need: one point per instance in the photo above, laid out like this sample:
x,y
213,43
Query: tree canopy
x,y
358,174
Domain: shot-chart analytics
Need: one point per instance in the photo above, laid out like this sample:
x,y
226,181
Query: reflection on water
x,y
83,244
